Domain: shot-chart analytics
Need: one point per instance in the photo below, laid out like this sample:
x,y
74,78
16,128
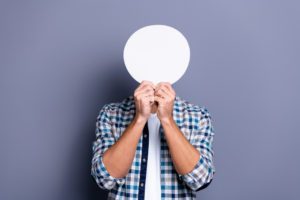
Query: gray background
x,y
60,61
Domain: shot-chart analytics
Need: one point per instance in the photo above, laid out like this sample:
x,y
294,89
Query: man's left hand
x,y
164,95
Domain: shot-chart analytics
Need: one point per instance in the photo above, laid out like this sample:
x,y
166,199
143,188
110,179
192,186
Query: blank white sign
x,y
157,53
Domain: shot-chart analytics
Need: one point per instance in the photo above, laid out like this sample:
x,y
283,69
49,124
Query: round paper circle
x,y
157,53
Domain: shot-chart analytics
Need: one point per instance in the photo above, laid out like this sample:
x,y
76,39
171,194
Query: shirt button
x,y
142,184
145,135
144,159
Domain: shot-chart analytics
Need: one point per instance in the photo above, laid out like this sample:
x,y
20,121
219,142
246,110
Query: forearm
x,y
184,155
119,157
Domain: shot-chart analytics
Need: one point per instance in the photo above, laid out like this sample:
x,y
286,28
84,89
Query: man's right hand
x,y
116,163
144,98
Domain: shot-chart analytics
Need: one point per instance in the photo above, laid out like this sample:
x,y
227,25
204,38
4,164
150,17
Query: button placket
x,y
143,169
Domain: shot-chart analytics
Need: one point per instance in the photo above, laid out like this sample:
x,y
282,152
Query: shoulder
x,y
194,116
125,107
192,109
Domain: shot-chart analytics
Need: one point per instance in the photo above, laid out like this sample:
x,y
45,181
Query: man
x,y
153,145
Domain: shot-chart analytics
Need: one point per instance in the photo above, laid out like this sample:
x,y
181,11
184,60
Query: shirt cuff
x,y
200,174
107,176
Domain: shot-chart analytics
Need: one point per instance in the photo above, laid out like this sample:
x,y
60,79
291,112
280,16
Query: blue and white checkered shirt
x,y
196,125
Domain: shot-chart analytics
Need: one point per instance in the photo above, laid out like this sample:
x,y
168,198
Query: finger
x,y
145,94
140,87
146,89
162,86
149,99
145,84
158,99
148,92
164,89
161,93
169,87
157,86
164,96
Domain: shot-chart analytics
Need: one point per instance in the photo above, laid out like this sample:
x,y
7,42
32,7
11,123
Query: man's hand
x,y
144,98
116,163
165,95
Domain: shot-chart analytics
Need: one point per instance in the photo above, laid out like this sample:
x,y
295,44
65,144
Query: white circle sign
x,y
156,53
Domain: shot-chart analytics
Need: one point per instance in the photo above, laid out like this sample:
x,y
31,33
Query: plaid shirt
x,y
194,122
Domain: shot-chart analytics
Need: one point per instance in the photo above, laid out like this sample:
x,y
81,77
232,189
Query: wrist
x,y
167,121
140,119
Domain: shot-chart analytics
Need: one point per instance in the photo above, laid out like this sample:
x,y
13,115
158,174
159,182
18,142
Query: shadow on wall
x,y
113,86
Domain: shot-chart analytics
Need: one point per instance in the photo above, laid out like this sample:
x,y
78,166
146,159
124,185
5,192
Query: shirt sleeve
x,y
202,139
104,139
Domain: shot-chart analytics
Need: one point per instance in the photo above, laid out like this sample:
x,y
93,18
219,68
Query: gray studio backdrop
x,y
61,61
